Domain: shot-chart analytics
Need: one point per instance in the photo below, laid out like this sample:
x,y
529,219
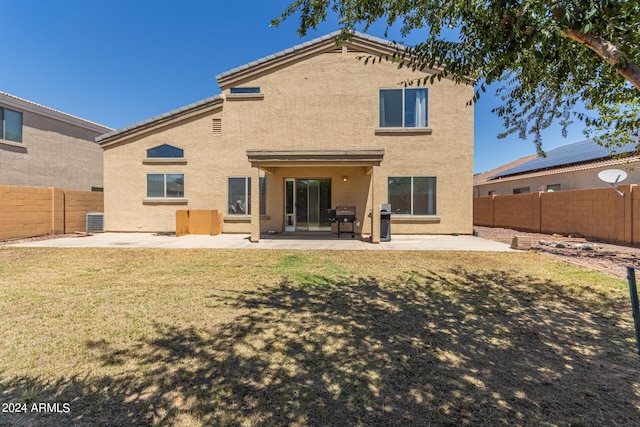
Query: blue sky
x,y
118,62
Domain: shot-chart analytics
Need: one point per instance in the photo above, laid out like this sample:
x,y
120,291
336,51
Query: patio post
x,y
377,195
255,204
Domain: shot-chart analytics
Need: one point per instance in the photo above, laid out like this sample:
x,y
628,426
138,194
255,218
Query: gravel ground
x,y
610,259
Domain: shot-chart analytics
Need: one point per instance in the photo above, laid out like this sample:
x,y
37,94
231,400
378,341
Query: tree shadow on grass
x,y
427,348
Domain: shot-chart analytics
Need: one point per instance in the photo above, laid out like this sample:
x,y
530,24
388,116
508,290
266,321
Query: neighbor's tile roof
x,y
571,155
482,178
597,164
25,104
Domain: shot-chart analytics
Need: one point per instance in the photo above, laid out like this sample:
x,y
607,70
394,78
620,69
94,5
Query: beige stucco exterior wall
x,y
53,153
328,102
575,180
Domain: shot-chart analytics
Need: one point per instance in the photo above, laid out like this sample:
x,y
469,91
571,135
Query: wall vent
x,y
95,222
216,126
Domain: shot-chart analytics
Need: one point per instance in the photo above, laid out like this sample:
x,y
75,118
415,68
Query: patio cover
x,y
269,160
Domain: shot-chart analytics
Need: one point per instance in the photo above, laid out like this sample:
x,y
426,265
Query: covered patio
x,y
354,178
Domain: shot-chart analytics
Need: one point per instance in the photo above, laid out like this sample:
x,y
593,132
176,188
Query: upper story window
x,y
10,125
165,151
403,108
245,90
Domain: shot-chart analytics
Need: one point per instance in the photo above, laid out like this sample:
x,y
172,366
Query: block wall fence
x,y
34,211
600,214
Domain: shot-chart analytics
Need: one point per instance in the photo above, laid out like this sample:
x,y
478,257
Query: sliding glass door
x,y
306,204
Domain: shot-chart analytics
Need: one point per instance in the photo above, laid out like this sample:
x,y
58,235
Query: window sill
x,y
244,97
404,131
422,219
11,143
237,218
164,201
164,161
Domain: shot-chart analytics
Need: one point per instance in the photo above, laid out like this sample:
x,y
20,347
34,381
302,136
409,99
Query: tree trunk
x,y
609,52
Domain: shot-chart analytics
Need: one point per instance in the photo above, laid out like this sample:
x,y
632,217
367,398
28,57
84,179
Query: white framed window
x,y
404,108
239,190
165,185
412,195
553,187
10,125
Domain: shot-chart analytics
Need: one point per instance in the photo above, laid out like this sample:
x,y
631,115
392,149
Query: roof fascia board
x,y
372,45
275,158
12,101
137,129
271,63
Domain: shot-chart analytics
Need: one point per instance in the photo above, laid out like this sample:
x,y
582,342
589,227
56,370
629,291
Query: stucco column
x,y
255,205
377,197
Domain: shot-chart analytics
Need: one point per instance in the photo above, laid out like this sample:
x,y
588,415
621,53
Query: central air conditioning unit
x,y
95,222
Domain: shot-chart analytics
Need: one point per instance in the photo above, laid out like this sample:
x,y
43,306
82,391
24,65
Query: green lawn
x,y
256,338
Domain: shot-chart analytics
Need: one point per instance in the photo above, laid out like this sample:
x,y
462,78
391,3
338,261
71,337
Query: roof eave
x,y
571,167
16,102
364,42
122,134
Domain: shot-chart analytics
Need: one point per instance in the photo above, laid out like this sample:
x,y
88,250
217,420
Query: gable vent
x,y
216,126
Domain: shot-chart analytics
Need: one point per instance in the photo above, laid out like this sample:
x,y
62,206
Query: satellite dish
x,y
613,177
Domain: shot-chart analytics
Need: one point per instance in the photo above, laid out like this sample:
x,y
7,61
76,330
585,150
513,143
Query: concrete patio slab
x,y
323,241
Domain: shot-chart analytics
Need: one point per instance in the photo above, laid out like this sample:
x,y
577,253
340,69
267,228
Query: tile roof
x,y
631,161
567,155
25,104
241,68
159,117
483,177
302,46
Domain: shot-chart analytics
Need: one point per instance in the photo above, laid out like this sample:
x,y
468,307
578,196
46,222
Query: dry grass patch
x,y
208,337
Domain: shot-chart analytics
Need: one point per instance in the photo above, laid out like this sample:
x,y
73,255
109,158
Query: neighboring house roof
x,y
482,178
572,156
596,164
26,105
160,119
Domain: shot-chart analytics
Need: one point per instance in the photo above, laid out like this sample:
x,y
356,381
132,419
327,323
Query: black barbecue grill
x,y
343,215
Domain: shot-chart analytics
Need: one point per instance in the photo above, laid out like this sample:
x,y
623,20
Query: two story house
x,y
43,147
295,134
